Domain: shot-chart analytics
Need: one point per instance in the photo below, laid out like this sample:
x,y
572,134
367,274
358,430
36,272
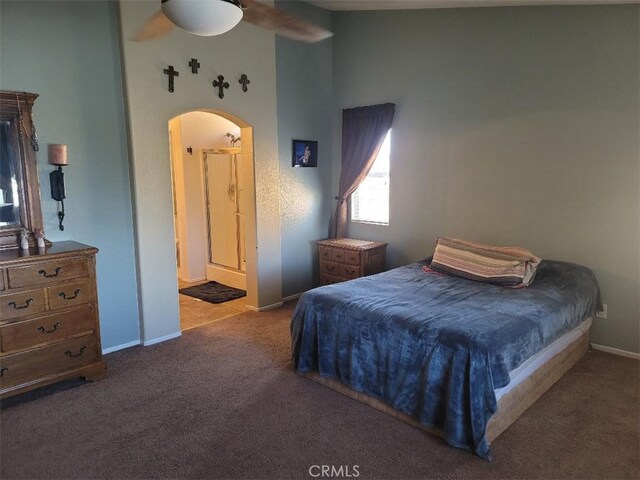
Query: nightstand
x,y
343,259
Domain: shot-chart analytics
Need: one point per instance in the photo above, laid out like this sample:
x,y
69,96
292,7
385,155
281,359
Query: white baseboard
x,y
120,347
616,351
292,297
153,341
264,309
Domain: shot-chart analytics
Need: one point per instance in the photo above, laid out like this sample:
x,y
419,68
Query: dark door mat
x,y
213,292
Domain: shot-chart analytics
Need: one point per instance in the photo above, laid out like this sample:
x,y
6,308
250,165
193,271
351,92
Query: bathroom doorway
x,y
213,194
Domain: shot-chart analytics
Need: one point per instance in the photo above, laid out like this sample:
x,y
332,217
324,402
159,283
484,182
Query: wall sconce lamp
x,y
58,157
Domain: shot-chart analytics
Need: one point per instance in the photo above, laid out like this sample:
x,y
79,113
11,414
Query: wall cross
x,y
171,73
195,65
220,84
244,80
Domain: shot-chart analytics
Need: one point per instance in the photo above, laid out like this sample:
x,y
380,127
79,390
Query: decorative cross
x,y
220,84
195,65
244,80
171,73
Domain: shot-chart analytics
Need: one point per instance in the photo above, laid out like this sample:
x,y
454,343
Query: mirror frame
x,y
11,104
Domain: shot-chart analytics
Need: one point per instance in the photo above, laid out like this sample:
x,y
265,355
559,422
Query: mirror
x,y
19,188
9,194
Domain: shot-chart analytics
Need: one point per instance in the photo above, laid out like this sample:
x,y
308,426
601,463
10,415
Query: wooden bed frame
x,y
510,406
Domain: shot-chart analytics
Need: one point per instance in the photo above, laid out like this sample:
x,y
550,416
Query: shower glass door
x,y
225,208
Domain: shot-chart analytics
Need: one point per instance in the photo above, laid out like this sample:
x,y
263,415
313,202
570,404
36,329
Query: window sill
x,y
367,222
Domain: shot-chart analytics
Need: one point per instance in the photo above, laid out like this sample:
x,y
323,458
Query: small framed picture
x,y
304,153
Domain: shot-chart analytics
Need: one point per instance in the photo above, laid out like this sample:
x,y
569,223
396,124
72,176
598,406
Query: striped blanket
x,y
505,266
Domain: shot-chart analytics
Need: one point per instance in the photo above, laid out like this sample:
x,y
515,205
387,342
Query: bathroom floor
x,y
195,313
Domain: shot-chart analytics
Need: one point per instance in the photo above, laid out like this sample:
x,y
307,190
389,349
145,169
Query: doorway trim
x,y
251,242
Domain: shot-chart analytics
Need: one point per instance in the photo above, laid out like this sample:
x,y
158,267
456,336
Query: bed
x,y
455,357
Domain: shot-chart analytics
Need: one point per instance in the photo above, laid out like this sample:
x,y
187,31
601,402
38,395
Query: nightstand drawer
x,y
349,271
38,363
15,305
70,294
325,254
47,272
351,257
339,256
330,268
330,279
48,329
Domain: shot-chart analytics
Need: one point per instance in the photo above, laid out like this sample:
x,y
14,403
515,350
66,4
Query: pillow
x,y
505,266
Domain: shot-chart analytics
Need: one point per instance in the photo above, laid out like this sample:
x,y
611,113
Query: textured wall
x,y
514,126
245,49
68,52
304,112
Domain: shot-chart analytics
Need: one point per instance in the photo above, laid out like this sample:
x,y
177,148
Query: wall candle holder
x,y
58,157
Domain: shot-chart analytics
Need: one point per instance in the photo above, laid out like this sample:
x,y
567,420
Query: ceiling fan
x,y
214,17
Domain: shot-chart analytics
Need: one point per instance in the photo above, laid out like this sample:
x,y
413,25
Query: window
x,y
370,202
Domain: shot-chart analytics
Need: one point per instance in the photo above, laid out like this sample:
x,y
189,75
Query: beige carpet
x,y
222,402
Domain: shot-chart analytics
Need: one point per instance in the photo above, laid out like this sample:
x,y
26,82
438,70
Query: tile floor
x,y
195,313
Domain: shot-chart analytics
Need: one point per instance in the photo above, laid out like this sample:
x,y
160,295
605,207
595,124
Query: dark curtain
x,y
363,132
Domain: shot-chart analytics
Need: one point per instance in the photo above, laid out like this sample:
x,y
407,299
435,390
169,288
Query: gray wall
x,y
68,53
304,86
514,126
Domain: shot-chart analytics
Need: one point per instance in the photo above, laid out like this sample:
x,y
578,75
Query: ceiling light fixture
x,y
203,17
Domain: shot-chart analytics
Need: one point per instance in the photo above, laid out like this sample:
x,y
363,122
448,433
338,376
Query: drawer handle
x,y
21,307
55,327
46,275
351,272
69,354
71,297
2,370
331,268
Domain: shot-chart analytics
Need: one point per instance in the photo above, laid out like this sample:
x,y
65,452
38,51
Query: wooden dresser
x,y
344,259
49,327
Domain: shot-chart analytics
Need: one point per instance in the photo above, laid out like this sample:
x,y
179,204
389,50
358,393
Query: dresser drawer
x,y
1,279
37,363
15,305
47,272
70,294
48,329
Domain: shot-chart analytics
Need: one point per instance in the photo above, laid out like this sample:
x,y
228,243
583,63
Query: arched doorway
x,y
213,186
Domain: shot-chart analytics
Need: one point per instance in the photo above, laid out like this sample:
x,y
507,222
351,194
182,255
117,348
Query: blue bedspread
x,y
436,347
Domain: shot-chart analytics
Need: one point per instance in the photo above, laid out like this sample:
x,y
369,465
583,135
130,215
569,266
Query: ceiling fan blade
x,y
156,26
283,23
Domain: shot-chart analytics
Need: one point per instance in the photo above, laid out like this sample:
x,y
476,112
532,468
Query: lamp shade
x,y
203,17
58,154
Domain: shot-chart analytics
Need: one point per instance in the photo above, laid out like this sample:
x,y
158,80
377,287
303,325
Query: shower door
x,y
225,208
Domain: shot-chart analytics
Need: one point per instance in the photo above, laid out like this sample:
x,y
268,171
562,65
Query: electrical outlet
x,y
602,313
